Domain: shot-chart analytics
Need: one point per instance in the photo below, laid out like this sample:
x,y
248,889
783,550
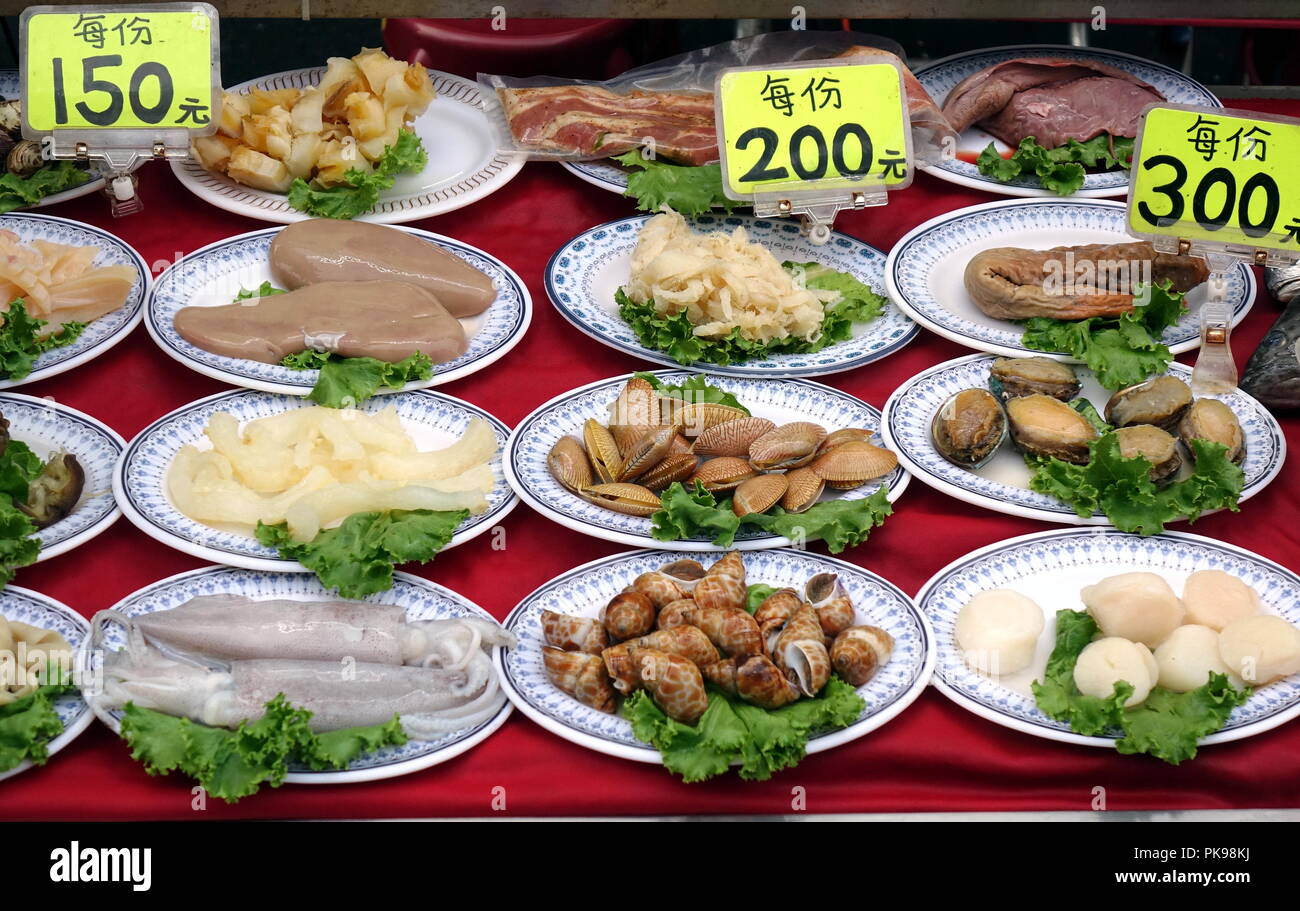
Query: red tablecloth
x,y
934,756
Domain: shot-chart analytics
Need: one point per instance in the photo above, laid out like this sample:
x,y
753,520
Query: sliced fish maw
x,y
329,250
380,319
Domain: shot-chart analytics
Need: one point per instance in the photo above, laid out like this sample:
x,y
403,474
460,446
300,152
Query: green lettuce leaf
x,y
21,343
1122,489
17,192
697,389
1056,694
27,726
234,764
689,189
265,289
345,381
686,514
763,741
856,303
358,556
18,544
19,466
756,595
1062,169
1168,724
360,191
1122,351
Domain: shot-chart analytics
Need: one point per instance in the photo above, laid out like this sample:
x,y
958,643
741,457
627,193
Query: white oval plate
x,y
48,427
601,173
1003,484
924,273
779,400
464,164
585,590
422,599
110,328
583,275
940,77
433,419
1051,567
11,87
213,276
31,607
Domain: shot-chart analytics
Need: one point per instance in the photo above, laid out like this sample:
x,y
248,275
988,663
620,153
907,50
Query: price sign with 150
x,y
1223,176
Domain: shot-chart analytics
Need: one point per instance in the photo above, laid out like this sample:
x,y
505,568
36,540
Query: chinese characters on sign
x,y
93,28
1247,144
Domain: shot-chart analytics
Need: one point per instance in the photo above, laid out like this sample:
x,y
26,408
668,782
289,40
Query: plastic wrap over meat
x,y
671,101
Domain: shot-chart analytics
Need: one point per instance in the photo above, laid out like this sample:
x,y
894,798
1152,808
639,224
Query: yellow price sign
x,y
120,67
1205,174
820,126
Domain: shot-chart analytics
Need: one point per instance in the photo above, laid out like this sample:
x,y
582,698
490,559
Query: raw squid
x,y
231,627
58,282
454,688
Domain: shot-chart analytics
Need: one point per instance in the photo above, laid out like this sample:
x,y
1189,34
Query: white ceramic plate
x,y
422,599
924,274
11,89
434,420
1003,484
214,275
780,401
110,328
585,590
48,427
35,609
940,77
601,173
584,274
464,164
1051,567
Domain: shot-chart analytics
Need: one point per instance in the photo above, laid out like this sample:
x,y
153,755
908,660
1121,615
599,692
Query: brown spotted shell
x,y
685,572
675,613
580,675
567,462
660,588
627,615
688,642
801,653
760,682
787,446
723,586
629,499
731,438
569,633
759,494
851,464
675,683
804,487
859,651
725,473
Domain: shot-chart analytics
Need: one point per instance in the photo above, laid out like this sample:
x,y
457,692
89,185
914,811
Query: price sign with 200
x,y
1208,175
123,70
813,125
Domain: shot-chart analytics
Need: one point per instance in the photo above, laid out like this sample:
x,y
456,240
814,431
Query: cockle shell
x,y
580,675
759,494
803,488
659,587
731,438
859,651
567,462
801,653
675,683
602,451
634,412
721,474
629,499
687,641
845,435
627,615
826,594
787,446
646,453
695,418
850,465
673,468
569,633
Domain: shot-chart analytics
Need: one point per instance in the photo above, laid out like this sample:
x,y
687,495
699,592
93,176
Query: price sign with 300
x,y
1217,175
816,126
125,67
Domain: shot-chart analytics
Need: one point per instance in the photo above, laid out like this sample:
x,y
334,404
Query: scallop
x,y
1154,445
969,427
1044,426
1210,419
1013,377
1161,401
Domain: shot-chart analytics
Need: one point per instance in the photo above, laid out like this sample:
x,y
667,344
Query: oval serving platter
x,y
48,427
584,590
433,419
11,87
940,77
214,275
464,164
584,274
26,606
924,273
422,599
100,334
779,400
1003,484
1051,567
